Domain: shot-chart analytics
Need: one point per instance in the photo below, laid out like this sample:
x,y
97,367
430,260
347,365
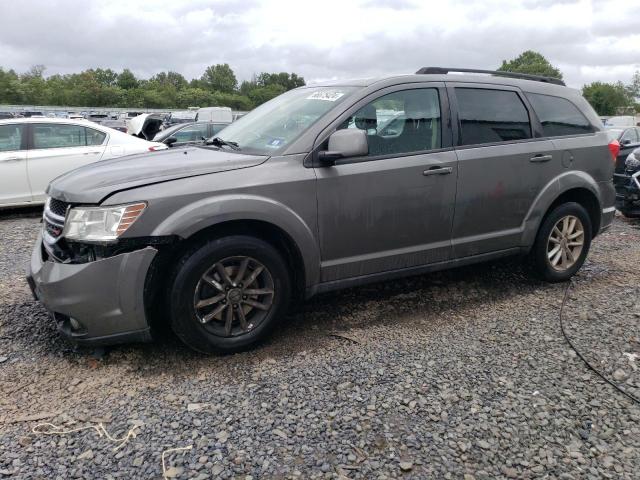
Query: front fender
x,y
563,183
208,212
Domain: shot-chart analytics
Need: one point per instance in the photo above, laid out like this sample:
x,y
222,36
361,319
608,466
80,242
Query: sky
x,y
587,40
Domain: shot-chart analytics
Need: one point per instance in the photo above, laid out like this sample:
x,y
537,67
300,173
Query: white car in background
x,y
34,151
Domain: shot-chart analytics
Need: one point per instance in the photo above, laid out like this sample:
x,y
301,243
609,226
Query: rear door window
x,y
55,135
559,116
95,137
10,138
491,116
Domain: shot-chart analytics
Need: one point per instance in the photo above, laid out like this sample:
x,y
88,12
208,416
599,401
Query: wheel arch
x,y
574,186
262,217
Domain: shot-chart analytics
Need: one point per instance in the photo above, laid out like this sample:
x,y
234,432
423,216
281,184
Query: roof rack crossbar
x,y
524,76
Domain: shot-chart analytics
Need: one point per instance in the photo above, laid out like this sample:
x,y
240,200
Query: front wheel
x,y
562,243
228,294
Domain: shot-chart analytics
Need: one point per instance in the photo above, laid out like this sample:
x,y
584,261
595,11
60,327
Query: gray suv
x,y
322,188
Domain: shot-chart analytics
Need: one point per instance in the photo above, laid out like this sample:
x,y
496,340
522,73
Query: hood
x,y
93,182
145,126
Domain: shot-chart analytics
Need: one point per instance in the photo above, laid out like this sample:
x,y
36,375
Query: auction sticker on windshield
x,y
328,95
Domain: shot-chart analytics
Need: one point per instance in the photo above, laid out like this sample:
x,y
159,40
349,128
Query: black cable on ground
x,y
586,362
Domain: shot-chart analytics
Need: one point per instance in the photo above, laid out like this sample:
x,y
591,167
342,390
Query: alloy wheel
x,y
565,243
234,296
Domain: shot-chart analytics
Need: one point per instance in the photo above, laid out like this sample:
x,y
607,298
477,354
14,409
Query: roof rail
x,y
525,76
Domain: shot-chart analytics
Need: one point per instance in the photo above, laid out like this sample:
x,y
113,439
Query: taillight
x,y
155,148
614,148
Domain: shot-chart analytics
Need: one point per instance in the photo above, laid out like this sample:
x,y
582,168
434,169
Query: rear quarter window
x,y
559,116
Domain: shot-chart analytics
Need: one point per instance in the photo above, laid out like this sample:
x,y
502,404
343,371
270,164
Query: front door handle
x,y
92,153
437,171
540,158
12,159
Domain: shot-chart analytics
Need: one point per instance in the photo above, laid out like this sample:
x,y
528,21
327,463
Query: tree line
x,y
97,87
218,86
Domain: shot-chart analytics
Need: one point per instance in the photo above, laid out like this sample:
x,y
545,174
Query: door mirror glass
x,y
346,143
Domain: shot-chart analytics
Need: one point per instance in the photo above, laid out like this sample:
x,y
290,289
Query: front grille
x,y
57,207
54,215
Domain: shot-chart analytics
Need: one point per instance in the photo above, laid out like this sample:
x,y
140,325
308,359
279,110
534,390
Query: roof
x,y
527,85
47,120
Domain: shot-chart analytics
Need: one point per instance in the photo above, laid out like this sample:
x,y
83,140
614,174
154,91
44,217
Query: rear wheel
x,y
228,294
562,243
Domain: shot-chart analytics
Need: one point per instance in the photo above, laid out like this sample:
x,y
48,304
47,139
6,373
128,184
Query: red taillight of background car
x,y
614,148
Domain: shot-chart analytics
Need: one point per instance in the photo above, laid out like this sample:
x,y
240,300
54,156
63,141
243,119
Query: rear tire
x,y
562,243
228,294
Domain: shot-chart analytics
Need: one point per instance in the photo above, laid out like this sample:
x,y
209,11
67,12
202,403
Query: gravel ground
x,y
460,374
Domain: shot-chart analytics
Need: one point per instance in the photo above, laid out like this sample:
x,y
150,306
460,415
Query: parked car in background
x,y
97,117
214,114
119,125
622,121
145,125
34,151
185,116
302,195
188,133
627,183
5,115
629,140
29,114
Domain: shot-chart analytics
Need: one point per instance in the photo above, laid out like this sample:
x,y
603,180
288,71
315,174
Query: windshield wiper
x,y
219,142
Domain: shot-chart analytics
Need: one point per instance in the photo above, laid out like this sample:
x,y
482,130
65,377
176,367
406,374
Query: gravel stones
x,y
459,374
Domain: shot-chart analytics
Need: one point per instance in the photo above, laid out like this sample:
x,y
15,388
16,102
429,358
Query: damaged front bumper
x,y
627,186
98,302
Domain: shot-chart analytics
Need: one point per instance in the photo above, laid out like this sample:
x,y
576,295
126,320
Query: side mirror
x,y
170,141
625,142
349,142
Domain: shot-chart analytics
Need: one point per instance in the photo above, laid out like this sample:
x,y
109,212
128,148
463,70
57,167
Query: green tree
x,y
607,98
532,63
220,78
127,80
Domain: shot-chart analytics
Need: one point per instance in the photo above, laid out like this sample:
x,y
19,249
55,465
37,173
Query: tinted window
x,y
192,133
10,138
489,116
558,116
400,122
94,137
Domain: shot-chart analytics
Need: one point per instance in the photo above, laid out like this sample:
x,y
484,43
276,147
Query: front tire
x,y
562,243
228,294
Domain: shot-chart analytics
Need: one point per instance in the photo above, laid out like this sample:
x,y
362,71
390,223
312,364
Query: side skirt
x,y
408,272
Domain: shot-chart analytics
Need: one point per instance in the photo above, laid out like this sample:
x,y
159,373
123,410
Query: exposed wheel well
x,y
585,198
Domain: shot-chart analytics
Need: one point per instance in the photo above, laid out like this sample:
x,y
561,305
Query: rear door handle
x,y
437,171
12,159
540,158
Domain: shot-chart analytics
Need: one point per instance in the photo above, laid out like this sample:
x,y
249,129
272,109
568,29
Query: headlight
x,y
632,162
101,224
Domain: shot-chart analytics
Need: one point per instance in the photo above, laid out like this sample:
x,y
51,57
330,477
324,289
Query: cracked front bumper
x,y
99,302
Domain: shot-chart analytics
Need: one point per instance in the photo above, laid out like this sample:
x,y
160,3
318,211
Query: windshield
x,y
272,126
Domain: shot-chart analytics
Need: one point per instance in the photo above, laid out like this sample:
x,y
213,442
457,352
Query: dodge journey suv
x,y
324,187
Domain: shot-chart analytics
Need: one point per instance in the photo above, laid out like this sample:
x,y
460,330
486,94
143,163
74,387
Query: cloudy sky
x,y
587,40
